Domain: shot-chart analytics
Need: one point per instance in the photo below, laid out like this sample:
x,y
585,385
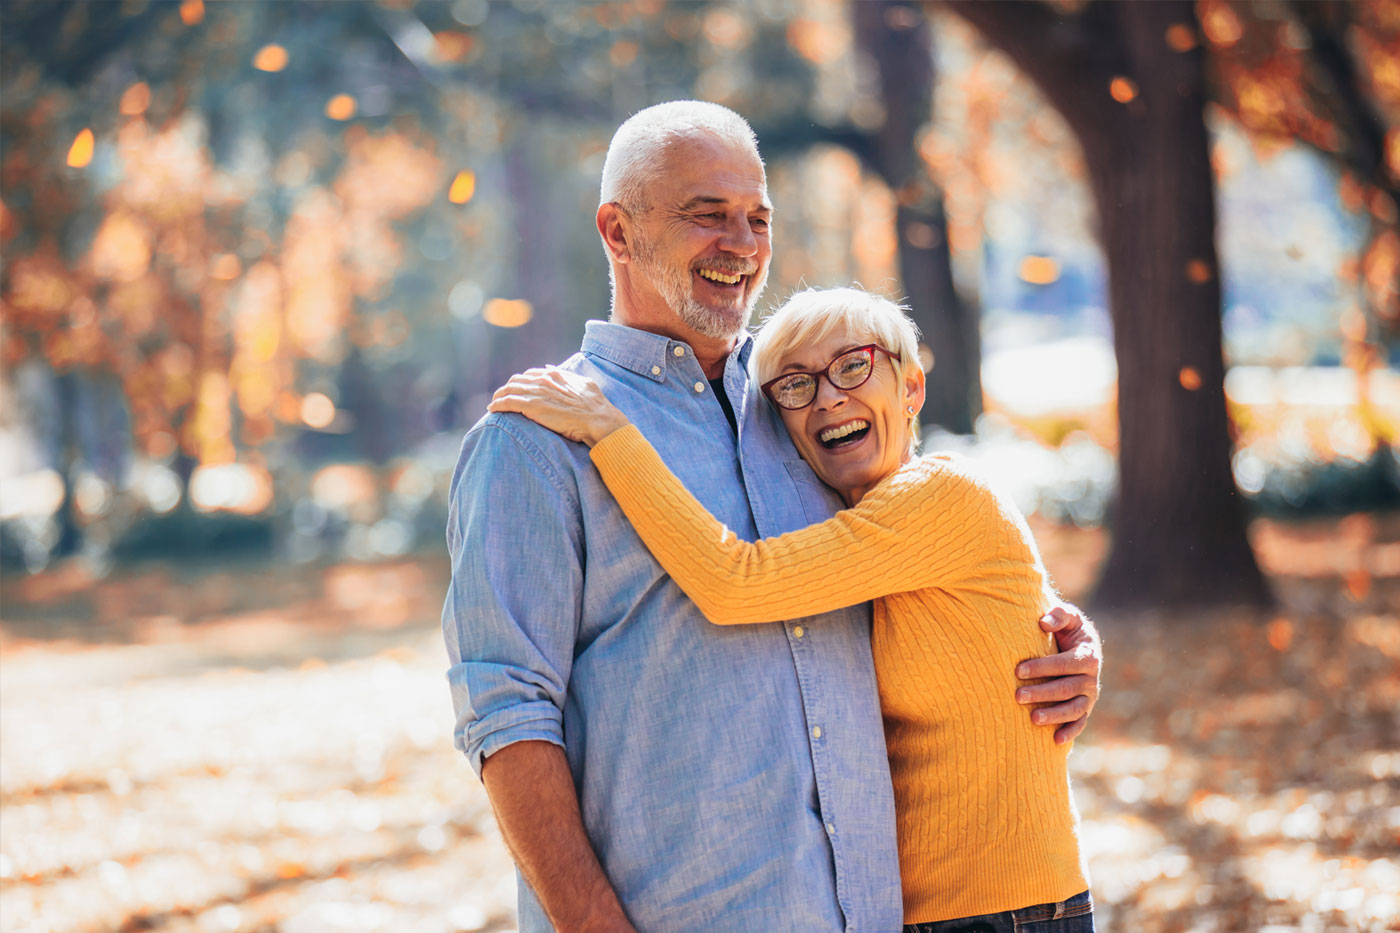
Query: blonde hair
x,y
813,315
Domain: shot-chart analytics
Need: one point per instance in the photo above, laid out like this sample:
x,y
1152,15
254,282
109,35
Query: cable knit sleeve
x,y
928,524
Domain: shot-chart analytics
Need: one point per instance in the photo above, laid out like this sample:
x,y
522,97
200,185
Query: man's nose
x,y
739,237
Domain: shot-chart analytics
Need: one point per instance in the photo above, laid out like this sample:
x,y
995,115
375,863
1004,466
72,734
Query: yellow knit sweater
x,y
982,800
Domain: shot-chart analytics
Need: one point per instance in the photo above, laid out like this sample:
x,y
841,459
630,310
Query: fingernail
x,y
1022,696
1023,671
1038,717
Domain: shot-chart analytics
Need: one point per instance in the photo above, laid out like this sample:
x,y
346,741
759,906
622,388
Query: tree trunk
x,y
895,36
1136,108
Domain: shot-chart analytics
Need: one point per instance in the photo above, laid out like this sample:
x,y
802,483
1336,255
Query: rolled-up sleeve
x,y
512,610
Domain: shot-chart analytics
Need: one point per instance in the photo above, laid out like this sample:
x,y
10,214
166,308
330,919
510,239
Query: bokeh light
x,y
270,58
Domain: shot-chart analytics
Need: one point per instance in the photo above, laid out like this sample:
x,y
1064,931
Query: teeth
x,y
835,434
720,277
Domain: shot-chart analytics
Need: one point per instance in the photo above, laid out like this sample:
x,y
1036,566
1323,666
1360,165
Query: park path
x,y
267,748
247,773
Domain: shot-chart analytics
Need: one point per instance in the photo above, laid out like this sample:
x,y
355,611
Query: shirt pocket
x,y
819,501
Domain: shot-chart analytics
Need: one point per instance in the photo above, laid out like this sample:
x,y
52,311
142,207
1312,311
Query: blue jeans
x,y
1075,915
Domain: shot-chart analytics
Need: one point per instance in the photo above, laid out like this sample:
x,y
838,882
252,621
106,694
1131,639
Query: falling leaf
x,y
1198,271
192,12
135,99
1189,378
1358,584
80,153
340,107
1039,270
463,187
1123,89
1280,634
1181,37
1222,27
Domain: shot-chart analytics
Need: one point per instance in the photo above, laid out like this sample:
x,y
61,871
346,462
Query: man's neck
x,y
710,352
712,361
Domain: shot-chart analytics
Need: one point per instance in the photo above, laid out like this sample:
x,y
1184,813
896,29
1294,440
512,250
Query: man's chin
x,y
717,323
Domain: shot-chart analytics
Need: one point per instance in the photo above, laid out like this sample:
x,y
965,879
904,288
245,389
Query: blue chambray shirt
x,y
730,778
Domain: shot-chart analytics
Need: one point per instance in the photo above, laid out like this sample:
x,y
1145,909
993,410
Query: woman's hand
x,y
565,402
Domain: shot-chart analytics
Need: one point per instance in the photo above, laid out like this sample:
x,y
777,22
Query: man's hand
x,y
1074,672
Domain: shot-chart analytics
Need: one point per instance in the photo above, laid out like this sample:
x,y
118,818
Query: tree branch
x,y
1067,55
794,137
1362,125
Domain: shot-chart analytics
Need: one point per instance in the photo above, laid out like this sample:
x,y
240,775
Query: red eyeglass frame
x,y
825,373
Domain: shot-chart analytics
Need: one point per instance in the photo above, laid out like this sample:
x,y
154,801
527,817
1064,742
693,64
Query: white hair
x,y
637,148
817,313
813,315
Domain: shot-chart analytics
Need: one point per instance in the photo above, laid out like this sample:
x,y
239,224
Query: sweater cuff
x,y
618,448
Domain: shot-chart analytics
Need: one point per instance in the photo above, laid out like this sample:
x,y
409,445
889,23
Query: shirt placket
x,y
807,661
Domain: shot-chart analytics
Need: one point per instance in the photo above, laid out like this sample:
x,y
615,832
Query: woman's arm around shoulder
x,y
899,538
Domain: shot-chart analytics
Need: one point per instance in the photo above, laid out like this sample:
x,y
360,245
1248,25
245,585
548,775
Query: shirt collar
x,y
640,351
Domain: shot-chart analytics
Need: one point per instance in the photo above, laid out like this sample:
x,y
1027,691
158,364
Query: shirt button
x,y
831,828
679,351
816,732
699,387
798,631
656,370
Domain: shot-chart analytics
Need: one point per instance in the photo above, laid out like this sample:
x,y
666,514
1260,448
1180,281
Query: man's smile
x,y
719,277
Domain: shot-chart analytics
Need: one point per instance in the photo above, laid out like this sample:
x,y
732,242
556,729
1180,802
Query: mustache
x,y
727,265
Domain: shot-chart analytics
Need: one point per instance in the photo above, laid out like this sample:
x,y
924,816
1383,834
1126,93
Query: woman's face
x,y
853,438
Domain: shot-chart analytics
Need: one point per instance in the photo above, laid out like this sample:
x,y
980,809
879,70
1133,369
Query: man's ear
x,y
613,227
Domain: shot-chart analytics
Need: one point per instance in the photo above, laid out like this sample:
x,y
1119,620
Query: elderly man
x,y
649,770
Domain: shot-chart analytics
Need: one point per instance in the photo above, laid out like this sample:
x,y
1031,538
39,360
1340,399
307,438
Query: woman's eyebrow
x,y
803,368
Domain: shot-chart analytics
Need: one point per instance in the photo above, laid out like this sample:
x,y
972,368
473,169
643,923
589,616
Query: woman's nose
x,y
829,396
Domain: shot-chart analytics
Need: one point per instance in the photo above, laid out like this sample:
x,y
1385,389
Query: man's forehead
x,y
714,171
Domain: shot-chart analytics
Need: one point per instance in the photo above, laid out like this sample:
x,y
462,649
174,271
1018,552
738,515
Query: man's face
x,y
703,246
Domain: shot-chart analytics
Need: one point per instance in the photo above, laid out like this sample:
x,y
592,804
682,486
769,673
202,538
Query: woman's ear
x,y
913,388
613,228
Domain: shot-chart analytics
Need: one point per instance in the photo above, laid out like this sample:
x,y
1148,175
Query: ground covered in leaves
x,y
266,748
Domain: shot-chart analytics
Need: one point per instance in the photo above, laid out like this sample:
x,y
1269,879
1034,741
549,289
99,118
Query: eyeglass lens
x,y
847,371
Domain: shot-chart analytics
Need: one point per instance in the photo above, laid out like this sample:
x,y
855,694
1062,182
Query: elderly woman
x,y
987,830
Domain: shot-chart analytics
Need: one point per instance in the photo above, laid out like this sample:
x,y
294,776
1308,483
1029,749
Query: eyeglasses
x,y
849,370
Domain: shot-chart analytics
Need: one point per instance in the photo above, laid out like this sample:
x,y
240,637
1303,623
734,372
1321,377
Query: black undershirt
x,y
717,386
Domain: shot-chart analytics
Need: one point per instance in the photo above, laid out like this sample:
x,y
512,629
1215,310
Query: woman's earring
x,y
909,408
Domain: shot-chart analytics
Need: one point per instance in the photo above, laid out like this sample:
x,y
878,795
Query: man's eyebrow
x,y
710,200
703,200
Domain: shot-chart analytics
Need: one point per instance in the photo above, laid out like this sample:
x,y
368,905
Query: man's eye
x,y
760,222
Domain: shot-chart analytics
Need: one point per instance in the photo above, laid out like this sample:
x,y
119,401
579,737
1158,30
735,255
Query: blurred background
x,y
264,263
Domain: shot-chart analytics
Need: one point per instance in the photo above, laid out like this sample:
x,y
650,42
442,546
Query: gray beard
x,y
674,286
